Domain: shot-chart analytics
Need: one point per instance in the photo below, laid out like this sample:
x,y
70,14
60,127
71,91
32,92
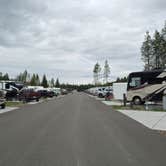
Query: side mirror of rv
x,y
164,82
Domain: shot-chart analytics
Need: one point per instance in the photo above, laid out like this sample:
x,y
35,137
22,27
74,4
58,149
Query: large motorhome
x,y
146,86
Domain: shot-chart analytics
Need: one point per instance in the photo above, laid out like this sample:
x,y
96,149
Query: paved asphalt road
x,y
76,130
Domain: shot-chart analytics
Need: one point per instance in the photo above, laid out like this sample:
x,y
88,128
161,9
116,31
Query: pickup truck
x,y
2,99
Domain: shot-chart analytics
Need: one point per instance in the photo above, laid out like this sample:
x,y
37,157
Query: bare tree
x,y
96,73
106,71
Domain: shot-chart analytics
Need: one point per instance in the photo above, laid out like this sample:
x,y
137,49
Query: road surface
x,y
77,130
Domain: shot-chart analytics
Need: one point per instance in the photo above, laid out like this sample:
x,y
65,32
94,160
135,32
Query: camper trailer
x,y
11,87
146,86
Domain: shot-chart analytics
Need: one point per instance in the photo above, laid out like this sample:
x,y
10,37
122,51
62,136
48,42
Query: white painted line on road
x,y
8,109
78,163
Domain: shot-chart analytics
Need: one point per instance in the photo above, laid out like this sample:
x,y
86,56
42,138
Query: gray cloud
x,y
65,38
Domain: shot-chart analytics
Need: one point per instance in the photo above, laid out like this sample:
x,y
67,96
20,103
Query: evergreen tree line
x,y
153,50
4,76
32,80
71,87
123,79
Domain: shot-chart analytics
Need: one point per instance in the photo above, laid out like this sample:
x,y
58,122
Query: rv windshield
x,y
135,82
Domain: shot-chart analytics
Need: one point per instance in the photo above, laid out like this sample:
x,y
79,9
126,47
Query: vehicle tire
x,y
27,100
37,100
137,100
3,106
100,95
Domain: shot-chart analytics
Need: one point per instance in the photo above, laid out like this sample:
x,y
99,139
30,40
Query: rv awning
x,y
162,75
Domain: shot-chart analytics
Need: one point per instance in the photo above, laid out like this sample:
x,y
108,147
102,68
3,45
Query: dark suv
x,y
2,99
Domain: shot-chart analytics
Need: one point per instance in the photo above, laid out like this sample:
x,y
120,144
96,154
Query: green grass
x,y
14,103
139,107
128,107
158,110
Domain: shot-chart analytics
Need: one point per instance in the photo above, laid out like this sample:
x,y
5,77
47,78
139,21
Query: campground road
x,y
76,130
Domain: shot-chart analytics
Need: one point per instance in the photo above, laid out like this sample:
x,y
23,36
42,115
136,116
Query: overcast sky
x,y
65,38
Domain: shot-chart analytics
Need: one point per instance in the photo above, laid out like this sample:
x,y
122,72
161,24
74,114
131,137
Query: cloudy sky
x,y
65,38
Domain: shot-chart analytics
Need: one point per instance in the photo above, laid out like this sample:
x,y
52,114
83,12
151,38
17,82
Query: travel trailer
x,y
12,88
146,86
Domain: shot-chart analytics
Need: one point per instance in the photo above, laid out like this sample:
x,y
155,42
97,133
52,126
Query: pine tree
x,y
0,75
19,77
106,71
28,79
5,76
37,80
44,82
96,73
163,46
23,77
123,79
146,52
33,80
52,82
57,84
157,51
118,79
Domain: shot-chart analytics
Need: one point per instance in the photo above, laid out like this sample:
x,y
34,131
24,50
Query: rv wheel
x,y
137,100
3,106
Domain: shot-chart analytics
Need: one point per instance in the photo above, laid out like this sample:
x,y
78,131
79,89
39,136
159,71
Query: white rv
x,y
12,88
146,86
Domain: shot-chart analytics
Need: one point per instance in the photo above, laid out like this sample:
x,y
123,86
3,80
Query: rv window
x,y
1,87
7,86
135,82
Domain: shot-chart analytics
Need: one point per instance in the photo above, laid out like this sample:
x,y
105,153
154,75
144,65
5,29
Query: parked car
x,y
2,99
46,93
57,91
92,91
102,91
50,93
29,94
64,92
43,93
